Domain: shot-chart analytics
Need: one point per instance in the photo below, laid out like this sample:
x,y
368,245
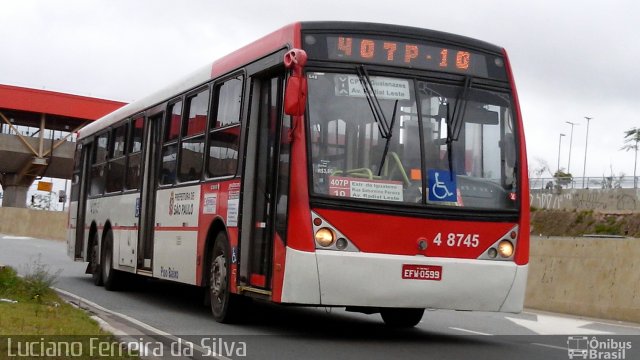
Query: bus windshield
x,y
435,144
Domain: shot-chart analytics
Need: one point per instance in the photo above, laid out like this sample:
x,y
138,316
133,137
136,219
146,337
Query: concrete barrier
x,y
33,223
585,276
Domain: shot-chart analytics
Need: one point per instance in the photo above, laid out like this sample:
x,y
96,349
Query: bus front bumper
x,y
335,278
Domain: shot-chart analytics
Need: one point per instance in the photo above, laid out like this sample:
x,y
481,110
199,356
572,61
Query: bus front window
x,y
353,156
461,160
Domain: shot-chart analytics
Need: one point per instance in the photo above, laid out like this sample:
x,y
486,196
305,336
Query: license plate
x,y
422,272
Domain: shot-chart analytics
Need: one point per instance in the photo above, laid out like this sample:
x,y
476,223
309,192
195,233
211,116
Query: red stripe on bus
x,y
176,228
124,227
158,228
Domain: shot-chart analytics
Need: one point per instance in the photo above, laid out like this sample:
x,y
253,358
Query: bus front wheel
x,y
224,304
401,318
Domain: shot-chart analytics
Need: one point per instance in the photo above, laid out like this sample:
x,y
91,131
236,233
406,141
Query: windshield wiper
x,y
455,120
388,140
374,104
386,128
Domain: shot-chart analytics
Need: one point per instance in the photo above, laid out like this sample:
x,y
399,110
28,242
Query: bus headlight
x,y
505,248
325,237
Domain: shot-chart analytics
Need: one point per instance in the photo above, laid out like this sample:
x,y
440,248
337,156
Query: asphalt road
x,y
282,332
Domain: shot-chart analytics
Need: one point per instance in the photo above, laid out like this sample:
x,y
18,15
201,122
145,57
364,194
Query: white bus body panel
x,y
174,256
175,250
121,211
175,231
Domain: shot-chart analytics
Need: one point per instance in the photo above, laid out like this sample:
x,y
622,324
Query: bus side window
x,y
115,175
132,181
98,164
192,144
224,136
170,144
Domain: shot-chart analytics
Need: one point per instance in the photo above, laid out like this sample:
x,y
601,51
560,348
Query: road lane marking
x,y
619,325
593,320
555,325
470,331
550,346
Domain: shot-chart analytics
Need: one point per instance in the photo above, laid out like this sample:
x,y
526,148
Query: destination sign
x,y
384,88
405,53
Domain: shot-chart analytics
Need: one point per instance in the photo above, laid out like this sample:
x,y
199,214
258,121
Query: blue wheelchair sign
x,y
442,186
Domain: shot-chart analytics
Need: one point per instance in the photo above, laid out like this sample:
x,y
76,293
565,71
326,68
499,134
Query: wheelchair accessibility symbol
x,y
442,186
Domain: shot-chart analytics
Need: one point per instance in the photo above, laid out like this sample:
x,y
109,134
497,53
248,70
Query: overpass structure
x,y
37,133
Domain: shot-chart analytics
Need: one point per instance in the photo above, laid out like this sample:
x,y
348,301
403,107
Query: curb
x,y
127,329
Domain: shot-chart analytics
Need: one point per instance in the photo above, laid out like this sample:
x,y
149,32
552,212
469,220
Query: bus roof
x,y
288,36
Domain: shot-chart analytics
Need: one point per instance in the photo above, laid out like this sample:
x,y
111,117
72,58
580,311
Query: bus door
x,y
260,182
146,206
81,179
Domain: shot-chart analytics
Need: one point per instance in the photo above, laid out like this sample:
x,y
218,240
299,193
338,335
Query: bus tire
x,y
96,270
401,318
224,304
109,274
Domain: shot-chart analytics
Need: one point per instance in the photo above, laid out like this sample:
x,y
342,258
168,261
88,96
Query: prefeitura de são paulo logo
x,y
583,347
171,201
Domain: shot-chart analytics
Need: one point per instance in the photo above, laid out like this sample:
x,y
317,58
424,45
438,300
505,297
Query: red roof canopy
x,y
55,103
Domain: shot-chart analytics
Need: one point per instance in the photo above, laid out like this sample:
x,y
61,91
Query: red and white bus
x,y
375,167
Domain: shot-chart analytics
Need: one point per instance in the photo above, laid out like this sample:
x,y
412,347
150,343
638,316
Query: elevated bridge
x,y
37,130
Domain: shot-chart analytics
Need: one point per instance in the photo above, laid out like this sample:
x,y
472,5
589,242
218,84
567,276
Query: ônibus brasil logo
x,y
584,348
171,200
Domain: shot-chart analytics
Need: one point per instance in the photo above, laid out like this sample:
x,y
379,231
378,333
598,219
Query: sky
x,y
570,58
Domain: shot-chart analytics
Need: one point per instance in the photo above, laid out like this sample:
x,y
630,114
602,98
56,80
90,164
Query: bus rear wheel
x,y
224,304
96,269
401,318
110,276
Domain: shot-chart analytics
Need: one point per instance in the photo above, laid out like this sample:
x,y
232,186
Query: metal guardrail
x,y
30,131
602,182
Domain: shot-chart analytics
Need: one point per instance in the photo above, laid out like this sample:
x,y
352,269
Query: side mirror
x,y
295,96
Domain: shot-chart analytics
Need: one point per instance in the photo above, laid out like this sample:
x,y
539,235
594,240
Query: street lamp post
x,y
570,144
586,142
559,147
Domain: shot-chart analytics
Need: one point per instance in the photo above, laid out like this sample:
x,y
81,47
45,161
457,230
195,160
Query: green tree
x,y
563,178
631,140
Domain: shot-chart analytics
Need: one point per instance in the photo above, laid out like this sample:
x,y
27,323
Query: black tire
x,y
96,270
401,318
109,274
224,304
